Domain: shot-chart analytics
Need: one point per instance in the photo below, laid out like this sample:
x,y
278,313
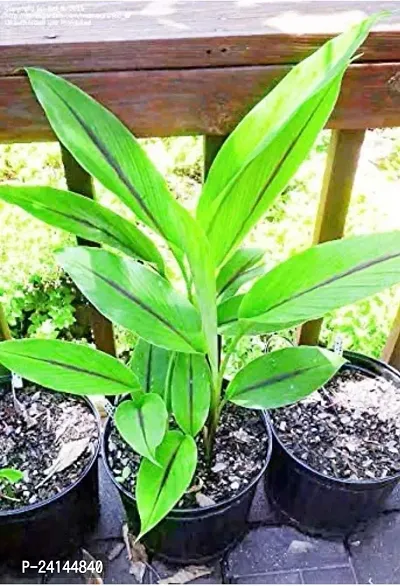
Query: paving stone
x,y
163,570
261,510
112,514
376,551
270,549
116,570
271,578
65,577
11,576
343,575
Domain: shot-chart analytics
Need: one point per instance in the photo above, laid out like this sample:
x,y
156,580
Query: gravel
x,y
349,430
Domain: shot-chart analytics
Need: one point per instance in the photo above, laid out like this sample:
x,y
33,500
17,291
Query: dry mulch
x,y
50,437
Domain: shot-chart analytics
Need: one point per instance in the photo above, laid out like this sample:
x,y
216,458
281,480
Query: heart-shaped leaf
x,y
142,422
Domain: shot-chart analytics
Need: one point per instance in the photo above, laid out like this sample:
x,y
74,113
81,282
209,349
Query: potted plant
x,y
48,468
184,455
338,460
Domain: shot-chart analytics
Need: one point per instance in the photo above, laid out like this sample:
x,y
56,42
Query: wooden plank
x,y
391,352
79,181
102,36
198,101
341,166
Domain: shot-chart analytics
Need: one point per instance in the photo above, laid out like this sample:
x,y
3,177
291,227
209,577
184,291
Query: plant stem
x,y
216,403
5,333
228,354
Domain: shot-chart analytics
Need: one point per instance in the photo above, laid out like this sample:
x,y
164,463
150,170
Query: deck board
x,y
189,67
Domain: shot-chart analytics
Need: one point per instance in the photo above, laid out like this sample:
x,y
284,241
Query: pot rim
x,y
196,510
361,483
52,499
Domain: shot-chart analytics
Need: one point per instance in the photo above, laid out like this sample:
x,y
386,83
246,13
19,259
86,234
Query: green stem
x,y
228,354
216,403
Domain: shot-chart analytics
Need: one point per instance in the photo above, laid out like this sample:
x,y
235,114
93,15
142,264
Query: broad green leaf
x,y
243,260
142,422
158,489
135,297
283,377
323,278
229,323
191,392
242,279
150,364
10,475
261,155
83,217
106,149
68,367
228,314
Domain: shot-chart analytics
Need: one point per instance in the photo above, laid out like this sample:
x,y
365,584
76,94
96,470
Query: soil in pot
x,y
240,453
350,430
50,437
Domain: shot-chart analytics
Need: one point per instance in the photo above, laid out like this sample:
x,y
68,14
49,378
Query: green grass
x,y
26,245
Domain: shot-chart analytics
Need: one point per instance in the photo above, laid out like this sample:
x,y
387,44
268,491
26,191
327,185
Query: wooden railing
x,y
168,68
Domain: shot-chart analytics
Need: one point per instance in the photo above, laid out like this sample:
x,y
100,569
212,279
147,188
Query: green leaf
x,y
10,475
323,278
243,260
142,423
283,377
135,297
106,149
158,489
68,367
150,364
261,155
191,392
243,278
229,323
83,217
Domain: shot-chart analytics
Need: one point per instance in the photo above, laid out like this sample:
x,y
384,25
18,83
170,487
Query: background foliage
x,y
40,302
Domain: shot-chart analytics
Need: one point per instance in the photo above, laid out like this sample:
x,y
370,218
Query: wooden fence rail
x,y
170,68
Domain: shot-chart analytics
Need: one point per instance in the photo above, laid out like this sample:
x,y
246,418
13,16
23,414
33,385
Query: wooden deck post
x,y
341,166
79,181
391,352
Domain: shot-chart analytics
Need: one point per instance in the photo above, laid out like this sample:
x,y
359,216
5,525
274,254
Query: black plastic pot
x,y
322,504
193,536
52,529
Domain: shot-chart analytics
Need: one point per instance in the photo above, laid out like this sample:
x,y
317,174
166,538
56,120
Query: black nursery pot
x,y
198,535
322,504
52,529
